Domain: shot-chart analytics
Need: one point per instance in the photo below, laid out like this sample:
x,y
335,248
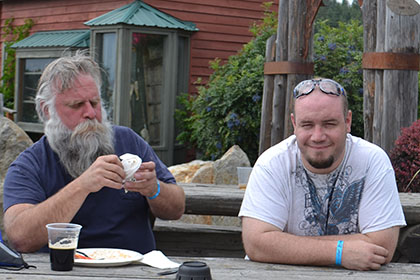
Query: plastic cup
x,y
62,241
243,176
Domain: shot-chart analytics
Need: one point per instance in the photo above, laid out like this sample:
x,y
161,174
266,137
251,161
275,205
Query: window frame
x,y
21,55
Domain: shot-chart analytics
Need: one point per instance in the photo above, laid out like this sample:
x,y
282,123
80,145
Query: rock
x,y
13,140
225,168
205,174
184,173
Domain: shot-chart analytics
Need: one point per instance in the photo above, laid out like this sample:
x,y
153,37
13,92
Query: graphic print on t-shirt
x,y
329,197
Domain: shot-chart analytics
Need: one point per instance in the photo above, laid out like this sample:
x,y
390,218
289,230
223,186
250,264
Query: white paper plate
x,y
105,257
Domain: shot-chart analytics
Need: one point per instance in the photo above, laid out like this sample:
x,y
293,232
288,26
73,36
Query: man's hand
x,y
146,181
362,255
105,171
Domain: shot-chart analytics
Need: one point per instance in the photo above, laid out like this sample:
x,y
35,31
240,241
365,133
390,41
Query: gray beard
x,y
79,148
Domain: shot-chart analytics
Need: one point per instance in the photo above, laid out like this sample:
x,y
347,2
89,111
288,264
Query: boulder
x,y
225,172
185,172
205,174
13,140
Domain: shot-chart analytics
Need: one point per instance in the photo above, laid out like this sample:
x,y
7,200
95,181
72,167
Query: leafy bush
x,y
405,158
338,56
227,110
12,34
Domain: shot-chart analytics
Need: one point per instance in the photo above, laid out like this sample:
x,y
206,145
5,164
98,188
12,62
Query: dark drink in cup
x,y
62,259
62,241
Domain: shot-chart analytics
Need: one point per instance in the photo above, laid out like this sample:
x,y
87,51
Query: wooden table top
x,y
221,268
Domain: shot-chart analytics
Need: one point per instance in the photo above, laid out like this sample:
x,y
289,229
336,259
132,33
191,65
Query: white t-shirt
x,y
360,196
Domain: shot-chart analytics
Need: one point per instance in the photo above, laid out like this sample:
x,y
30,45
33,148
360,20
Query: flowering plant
x,y
227,110
405,158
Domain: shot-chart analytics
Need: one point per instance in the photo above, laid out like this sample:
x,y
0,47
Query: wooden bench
x,y
204,240
184,239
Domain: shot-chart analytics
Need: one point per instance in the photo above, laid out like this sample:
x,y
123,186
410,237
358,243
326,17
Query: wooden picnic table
x,y
221,269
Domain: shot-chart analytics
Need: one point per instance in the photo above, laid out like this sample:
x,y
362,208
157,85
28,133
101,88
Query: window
x,y
146,86
107,59
32,70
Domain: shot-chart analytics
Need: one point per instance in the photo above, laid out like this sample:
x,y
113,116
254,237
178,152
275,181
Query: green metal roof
x,y
139,13
63,38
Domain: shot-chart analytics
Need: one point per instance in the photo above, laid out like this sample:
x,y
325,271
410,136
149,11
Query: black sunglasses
x,y
325,85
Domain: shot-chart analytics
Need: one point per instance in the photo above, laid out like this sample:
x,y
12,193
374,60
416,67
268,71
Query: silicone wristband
x,y
158,191
339,252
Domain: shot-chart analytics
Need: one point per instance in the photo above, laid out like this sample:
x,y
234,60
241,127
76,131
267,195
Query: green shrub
x,y
405,158
338,56
227,110
11,34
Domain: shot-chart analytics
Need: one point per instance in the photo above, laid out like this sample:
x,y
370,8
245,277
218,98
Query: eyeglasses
x,y
325,85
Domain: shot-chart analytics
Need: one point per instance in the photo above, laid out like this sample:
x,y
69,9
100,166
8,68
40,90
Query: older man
x,y
74,174
322,196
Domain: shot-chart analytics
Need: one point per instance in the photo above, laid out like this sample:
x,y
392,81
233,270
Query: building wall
x,y
224,24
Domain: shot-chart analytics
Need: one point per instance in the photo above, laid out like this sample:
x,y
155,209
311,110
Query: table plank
x,y
221,269
225,200
411,207
222,200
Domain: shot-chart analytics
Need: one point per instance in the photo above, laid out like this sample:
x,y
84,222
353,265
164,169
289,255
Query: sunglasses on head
x,y
325,85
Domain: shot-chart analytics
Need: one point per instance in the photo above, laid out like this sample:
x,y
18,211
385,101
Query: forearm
x,y
170,203
266,243
291,249
25,223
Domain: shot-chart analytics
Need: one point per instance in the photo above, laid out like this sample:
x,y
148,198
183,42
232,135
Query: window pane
x,y
108,57
147,86
33,68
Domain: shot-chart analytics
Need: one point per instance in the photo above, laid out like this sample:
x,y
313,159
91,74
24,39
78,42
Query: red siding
x,y
224,24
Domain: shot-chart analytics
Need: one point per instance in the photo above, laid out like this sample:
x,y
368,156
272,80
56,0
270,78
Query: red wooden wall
x,y
224,24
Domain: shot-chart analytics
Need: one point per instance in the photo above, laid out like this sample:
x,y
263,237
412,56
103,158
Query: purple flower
x,y
344,70
256,98
230,124
208,109
321,38
219,145
332,46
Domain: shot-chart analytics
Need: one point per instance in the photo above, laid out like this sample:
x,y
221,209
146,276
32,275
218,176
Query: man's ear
x,y
45,111
348,121
292,117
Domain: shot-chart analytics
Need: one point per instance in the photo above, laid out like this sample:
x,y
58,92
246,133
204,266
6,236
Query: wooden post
x,y
292,64
369,45
280,80
267,100
1,104
395,86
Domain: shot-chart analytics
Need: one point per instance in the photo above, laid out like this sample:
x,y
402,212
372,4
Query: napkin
x,y
157,259
130,163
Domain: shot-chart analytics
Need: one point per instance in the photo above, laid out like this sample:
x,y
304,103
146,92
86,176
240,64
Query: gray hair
x,y
60,75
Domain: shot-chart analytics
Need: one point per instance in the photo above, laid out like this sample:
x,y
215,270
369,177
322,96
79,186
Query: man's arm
x,y
25,223
266,243
169,204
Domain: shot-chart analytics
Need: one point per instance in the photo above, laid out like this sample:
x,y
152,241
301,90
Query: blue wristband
x,y
158,191
339,252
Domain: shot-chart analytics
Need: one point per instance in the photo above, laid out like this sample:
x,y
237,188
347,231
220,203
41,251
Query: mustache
x,y
87,128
